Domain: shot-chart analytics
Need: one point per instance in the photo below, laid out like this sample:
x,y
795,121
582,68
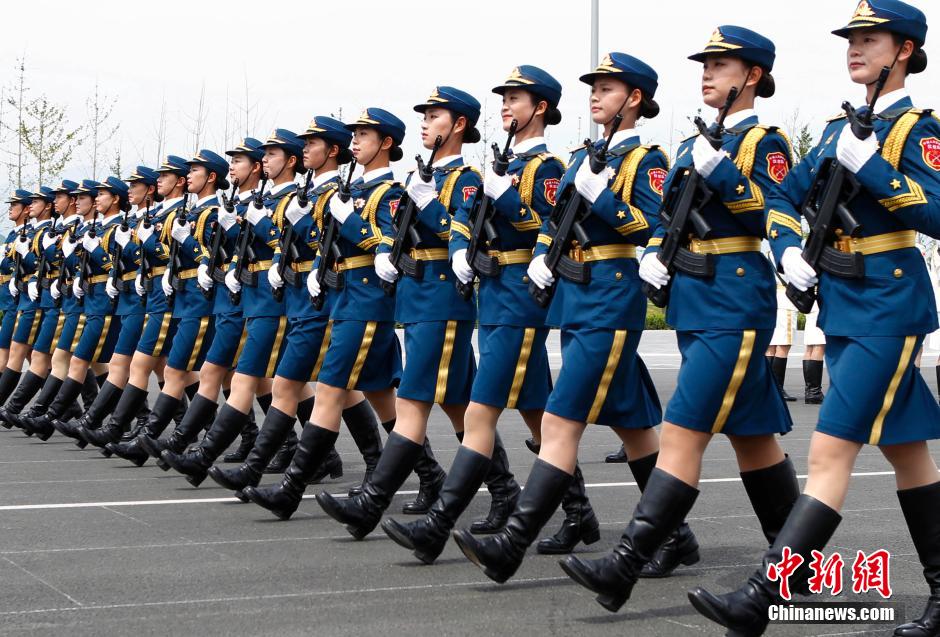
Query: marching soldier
x,y
874,320
601,314
438,323
363,353
265,319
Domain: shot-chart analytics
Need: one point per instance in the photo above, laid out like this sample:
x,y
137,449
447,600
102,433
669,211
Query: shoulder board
x,y
738,130
619,151
896,113
836,117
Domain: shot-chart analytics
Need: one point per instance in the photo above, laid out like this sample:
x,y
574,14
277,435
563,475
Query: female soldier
x,y
724,324
363,352
602,380
19,203
873,324
513,360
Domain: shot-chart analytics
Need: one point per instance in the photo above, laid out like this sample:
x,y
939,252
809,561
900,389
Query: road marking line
x,y
132,503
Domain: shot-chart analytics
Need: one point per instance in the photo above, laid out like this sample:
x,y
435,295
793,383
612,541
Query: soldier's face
x,y
316,152
719,75
61,203
166,183
36,207
136,193
104,201
367,142
84,204
868,51
274,160
240,168
519,105
608,97
197,178
16,211
438,121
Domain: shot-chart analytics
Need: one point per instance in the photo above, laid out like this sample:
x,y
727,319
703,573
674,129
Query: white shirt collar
x,y
374,174
67,220
171,202
622,135
204,199
447,160
322,178
527,144
734,119
886,100
18,228
276,190
243,195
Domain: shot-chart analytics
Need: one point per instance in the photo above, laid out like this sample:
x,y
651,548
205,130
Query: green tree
x,y
47,137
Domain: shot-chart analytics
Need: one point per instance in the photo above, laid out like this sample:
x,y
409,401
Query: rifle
x,y
19,272
288,249
482,230
63,271
329,250
565,224
84,268
243,251
174,264
217,254
144,259
826,206
406,235
117,267
681,213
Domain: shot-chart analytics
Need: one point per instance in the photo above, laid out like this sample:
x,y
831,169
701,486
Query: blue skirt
x,y
27,326
51,326
159,331
229,329
132,326
71,330
363,355
439,362
97,341
308,338
6,328
193,336
263,346
604,381
726,385
876,395
513,371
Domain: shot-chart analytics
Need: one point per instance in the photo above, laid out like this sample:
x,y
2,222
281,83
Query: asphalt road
x,y
91,546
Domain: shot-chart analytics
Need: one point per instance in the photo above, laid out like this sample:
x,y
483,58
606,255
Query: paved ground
x,y
90,546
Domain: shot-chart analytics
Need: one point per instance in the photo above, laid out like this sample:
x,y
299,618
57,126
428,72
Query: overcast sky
x,y
309,58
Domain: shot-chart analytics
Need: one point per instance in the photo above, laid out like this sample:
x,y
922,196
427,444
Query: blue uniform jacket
x,y
900,191
194,251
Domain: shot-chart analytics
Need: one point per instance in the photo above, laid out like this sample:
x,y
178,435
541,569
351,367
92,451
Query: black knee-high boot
x,y
124,414
285,453
90,388
779,367
663,504
101,407
195,464
426,537
9,379
499,555
772,491
365,433
200,412
132,447
61,407
282,499
580,523
431,478
921,508
681,547
744,611
30,383
503,488
50,389
362,513
250,433
812,376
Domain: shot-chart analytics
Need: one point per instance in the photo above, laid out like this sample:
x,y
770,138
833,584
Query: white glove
x,y
421,192
12,287
90,243
227,219
54,290
180,232
68,246
705,158
653,271
274,279
110,288
495,185
203,277
590,185
32,288
294,212
233,284
340,209
853,152
48,239
123,238
539,273
21,245
139,285
165,284
384,268
800,273
144,232
77,290
254,215
461,267
313,286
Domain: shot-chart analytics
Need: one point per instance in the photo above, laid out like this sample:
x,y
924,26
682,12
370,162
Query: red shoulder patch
x,y
468,192
551,190
930,149
393,206
777,166
657,179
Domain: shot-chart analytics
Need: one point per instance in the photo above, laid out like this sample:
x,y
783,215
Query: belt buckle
x,y
844,245
577,254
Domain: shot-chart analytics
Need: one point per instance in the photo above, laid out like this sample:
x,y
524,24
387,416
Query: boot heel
x,y
691,558
80,443
593,535
195,480
336,473
613,603
163,465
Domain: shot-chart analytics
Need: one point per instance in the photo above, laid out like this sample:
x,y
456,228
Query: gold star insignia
x,y
740,189
521,212
621,215
443,222
895,184
774,234
363,231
